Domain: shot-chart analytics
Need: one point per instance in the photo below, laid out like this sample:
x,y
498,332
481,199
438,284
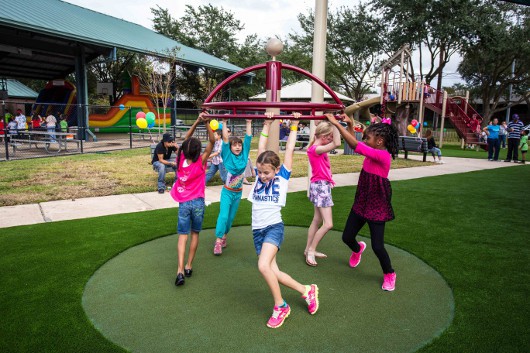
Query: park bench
x,y
299,142
413,144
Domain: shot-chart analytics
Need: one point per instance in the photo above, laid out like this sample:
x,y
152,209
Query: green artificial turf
x,y
472,228
133,302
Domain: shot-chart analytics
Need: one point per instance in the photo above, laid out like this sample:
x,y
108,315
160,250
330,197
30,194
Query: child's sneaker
x,y
223,242
279,314
312,299
218,248
389,282
355,257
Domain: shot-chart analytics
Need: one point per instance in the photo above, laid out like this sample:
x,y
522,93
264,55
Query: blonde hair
x,y
324,128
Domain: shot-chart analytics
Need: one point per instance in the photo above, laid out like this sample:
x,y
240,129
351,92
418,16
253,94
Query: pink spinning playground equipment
x,y
273,79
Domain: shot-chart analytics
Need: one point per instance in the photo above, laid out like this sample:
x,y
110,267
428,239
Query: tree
x,y
158,79
209,29
439,27
501,37
355,42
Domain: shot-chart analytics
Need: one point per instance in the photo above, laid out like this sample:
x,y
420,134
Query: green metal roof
x,y
16,89
61,20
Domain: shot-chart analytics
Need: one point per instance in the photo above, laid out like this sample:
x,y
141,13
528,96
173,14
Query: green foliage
x,y
437,26
500,38
355,41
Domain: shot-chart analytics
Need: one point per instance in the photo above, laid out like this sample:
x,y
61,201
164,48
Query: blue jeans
x,y
162,169
436,151
51,131
191,215
213,169
272,234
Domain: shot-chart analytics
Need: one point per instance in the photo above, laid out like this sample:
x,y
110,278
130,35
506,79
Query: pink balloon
x,y
140,115
414,122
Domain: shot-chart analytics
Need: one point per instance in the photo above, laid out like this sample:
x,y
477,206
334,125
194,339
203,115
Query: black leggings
x,y
377,235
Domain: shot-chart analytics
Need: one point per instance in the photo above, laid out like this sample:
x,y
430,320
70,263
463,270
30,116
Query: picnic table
x,y
39,138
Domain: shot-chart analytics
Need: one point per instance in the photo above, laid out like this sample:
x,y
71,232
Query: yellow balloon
x,y
214,124
141,123
413,131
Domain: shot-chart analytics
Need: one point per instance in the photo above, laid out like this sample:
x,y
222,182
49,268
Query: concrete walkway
x,y
53,211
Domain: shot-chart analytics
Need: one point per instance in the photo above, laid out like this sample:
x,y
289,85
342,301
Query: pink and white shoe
x,y
389,282
312,299
355,257
218,248
223,242
279,315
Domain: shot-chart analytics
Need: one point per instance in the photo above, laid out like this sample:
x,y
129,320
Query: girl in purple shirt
x,y
372,203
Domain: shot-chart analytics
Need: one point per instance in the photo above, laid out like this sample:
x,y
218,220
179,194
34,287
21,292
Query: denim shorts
x,y
191,214
272,234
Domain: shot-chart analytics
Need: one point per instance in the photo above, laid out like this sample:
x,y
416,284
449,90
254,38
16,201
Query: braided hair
x,y
191,149
389,133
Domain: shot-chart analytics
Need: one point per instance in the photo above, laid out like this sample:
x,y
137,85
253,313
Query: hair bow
x,y
387,121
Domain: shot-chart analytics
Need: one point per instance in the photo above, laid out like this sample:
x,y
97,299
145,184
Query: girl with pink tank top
x,y
373,197
326,139
188,191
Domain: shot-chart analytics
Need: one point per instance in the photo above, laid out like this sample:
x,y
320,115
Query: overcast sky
x,y
266,18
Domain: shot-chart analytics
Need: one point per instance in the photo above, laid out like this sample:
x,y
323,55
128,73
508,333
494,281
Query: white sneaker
x,y
441,162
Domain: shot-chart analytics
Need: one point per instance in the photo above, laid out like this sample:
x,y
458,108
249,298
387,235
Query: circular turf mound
x,y
133,301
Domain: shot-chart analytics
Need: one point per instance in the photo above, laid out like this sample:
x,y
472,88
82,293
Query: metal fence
x,y
110,128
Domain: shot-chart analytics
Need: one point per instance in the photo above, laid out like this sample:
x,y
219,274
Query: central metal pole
x,y
319,62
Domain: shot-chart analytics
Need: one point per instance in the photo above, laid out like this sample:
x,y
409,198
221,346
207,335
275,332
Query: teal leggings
x,y
229,204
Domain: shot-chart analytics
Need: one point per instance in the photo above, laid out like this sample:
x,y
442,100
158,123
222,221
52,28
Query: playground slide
x,y
363,108
132,104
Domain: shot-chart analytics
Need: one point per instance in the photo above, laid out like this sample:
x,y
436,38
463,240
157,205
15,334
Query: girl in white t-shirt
x,y
268,196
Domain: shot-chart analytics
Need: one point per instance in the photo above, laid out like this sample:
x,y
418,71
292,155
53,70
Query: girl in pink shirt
x,y
188,191
372,203
326,138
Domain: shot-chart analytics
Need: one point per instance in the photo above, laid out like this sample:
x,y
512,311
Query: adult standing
x,y
51,122
514,136
502,134
161,160
493,139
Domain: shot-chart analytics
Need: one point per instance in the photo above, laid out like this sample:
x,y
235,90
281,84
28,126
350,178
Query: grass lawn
x,y
452,150
476,236
121,172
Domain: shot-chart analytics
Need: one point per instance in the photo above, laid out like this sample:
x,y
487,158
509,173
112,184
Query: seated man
x,y
161,162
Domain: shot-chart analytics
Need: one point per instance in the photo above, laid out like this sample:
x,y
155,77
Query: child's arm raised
x,y
264,136
291,142
194,125
225,131
348,136
249,127
211,139
332,145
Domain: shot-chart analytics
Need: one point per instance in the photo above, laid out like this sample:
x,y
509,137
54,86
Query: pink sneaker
x,y
279,315
389,282
218,249
312,299
223,242
355,257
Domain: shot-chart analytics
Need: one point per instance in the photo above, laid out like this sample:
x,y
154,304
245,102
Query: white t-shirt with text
x,y
268,199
